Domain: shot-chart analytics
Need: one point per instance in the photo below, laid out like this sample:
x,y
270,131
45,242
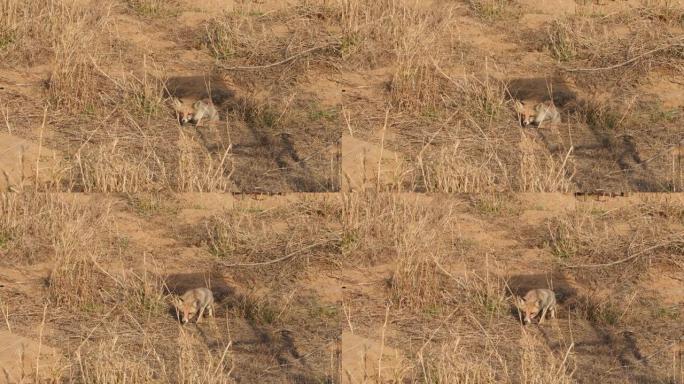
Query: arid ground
x,y
429,282
431,109
367,208
86,288
85,108
352,288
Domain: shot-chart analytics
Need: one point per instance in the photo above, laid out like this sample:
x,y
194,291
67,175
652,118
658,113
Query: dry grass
x,y
592,238
452,315
67,34
445,298
495,10
628,44
110,362
378,32
105,100
109,295
436,76
154,8
73,83
38,226
73,239
537,364
453,127
245,38
248,237
450,115
34,29
419,243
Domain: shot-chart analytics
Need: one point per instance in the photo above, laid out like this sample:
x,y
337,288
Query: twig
x,y
296,55
382,148
633,59
382,343
631,257
276,260
40,339
40,146
5,313
347,314
560,368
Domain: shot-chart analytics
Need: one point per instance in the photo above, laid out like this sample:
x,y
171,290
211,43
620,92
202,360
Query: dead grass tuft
x,y
598,310
43,227
73,83
33,30
282,241
144,93
154,8
640,241
621,47
495,10
111,361
380,227
109,167
450,363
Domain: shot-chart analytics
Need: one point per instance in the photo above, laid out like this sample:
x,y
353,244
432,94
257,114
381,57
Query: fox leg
x,y
553,312
543,314
211,310
201,312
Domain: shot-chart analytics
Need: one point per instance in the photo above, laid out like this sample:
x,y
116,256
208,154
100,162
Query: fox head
x,y
187,309
526,113
530,308
186,111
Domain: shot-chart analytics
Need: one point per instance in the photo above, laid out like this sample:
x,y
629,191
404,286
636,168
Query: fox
x,y
194,301
194,110
533,113
535,301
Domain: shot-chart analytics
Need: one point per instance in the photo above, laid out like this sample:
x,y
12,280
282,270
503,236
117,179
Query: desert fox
x,y
193,110
535,301
530,112
194,301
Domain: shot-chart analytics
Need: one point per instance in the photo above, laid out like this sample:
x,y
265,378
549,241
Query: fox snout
x,y
185,312
184,119
528,318
187,315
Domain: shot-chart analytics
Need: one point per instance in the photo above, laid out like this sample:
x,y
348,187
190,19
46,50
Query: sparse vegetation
x,y
154,8
495,10
470,313
116,297
396,279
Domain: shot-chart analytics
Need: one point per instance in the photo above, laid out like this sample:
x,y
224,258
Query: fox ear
x,y
199,104
176,102
177,302
519,302
518,106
